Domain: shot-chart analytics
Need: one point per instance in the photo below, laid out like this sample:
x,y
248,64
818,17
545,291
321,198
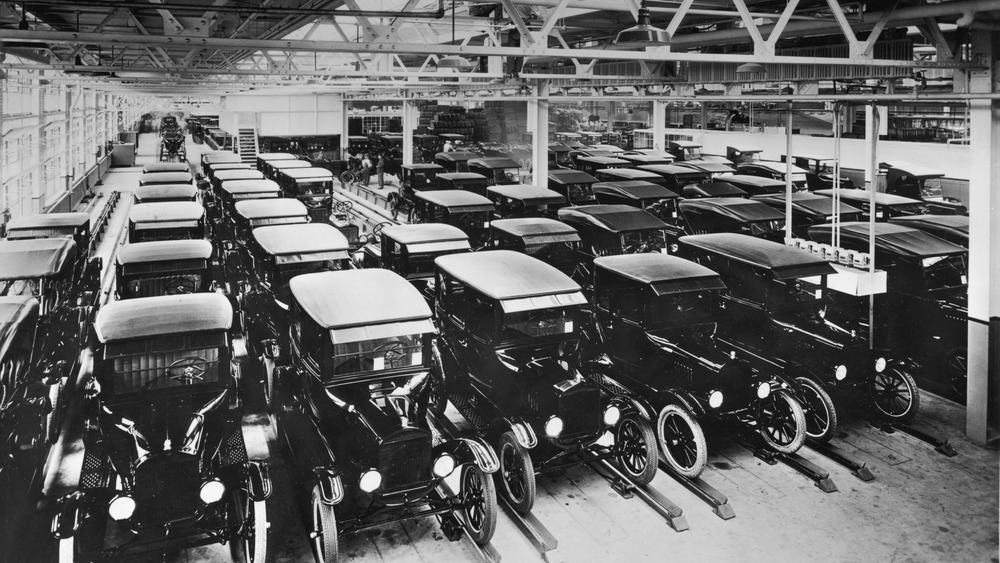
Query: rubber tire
x,y
799,418
437,397
697,438
346,178
817,398
509,444
484,533
956,367
907,380
324,519
251,550
640,430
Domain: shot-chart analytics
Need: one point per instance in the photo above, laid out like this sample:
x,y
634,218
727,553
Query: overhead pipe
x,y
239,9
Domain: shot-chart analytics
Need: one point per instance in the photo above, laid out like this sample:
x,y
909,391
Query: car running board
x,y
819,476
718,501
835,454
940,445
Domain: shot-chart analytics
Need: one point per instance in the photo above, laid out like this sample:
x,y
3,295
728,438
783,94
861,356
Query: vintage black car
x,y
164,267
425,146
559,156
924,313
166,221
820,172
223,208
775,315
684,150
165,464
352,408
154,167
252,213
311,186
221,176
465,210
520,200
677,177
410,250
650,197
591,164
808,209
455,161
74,226
154,178
775,171
475,183
616,229
887,206
509,328
266,158
499,171
211,158
742,154
952,228
574,185
165,192
756,185
551,241
652,335
920,183
731,215
273,169
711,169
413,178
717,188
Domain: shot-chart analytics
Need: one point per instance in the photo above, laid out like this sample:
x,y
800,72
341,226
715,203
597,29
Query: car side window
x,y
628,303
454,299
481,317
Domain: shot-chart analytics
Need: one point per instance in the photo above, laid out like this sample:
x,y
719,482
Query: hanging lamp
x,y
456,62
643,31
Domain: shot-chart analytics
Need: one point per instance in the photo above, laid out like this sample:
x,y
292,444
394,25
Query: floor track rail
x,y
718,501
940,445
819,476
835,454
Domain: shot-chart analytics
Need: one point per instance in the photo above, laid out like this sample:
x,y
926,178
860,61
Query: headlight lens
x,y
841,372
715,399
612,415
211,491
553,427
444,465
880,365
763,390
121,507
370,481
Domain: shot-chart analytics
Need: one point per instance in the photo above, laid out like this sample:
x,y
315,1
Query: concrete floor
x,y
922,506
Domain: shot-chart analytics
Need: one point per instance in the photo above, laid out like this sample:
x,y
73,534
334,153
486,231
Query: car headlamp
x,y
212,491
121,507
371,480
841,372
880,364
763,390
612,415
553,427
715,399
444,465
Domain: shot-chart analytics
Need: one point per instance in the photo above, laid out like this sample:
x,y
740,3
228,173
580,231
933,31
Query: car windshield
x,y
152,286
20,287
945,272
508,176
679,309
470,221
692,153
799,177
422,179
760,228
288,271
310,188
552,321
378,354
794,295
167,362
580,192
650,240
930,188
423,262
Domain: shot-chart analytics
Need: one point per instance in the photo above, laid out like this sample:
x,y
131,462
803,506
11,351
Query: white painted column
x,y
411,117
538,124
659,125
38,190
344,107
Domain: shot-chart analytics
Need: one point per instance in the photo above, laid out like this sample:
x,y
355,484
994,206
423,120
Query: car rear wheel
x,y
821,414
479,504
251,545
438,396
635,444
895,395
781,423
682,441
956,365
325,541
346,178
516,474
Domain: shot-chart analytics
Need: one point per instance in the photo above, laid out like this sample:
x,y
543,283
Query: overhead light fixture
x,y
751,68
456,62
643,32
701,91
787,91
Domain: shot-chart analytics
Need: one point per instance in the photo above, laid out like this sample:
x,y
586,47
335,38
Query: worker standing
x,y
366,170
380,169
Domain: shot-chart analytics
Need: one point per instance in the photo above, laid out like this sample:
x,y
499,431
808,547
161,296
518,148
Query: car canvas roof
x,y
420,233
459,176
301,239
527,193
220,157
669,169
630,173
571,177
165,211
715,189
707,166
663,273
34,258
559,147
452,136
358,298
785,262
646,158
534,227
271,208
893,238
422,167
312,173
49,220
735,207
220,166
224,175
163,251
165,178
615,218
259,185
913,169
165,191
16,312
144,317
778,167
612,148
505,274
756,181
459,200
166,167
957,224
806,202
685,144
289,164
862,196
603,160
271,156
456,156
494,162
635,189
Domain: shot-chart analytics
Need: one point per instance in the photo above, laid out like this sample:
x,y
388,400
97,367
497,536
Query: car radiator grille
x,y
405,461
580,410
166,489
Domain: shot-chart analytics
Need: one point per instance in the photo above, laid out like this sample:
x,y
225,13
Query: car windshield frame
x,y
413,353
197,345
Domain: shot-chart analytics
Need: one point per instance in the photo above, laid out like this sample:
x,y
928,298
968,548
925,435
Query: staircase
x,y
246,145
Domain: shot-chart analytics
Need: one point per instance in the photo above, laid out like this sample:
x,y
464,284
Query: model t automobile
x,y
498,170
731,215
650,197
455,161
165,267
923,184
510,325
468,181
776,315
465,210
73,226
553,242
574,185
413,178
166,221
156,178
519,200
887,206
410,250
677,177
313,187
809,209
952,228
165,192
924,313
820,172
608,230
653,337
165,465
352,405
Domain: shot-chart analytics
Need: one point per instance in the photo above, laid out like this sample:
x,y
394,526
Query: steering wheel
x,y
469,223
391,352
343,206
377,229
540,323
188,370
180,285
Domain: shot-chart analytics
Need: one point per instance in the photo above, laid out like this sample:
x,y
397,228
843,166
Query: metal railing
x,y
101,225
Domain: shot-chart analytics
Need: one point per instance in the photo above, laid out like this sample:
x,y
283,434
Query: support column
x,y
538,124
411,117
611,117
69,149
38,190
871,137
659,124
345,106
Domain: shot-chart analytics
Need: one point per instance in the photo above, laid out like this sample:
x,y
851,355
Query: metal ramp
x,y
246,145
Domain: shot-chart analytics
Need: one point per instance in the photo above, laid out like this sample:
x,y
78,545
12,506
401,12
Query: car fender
x,y
71,511
471,451
523,431
631,403
896,359
686,400
258,480
331,489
